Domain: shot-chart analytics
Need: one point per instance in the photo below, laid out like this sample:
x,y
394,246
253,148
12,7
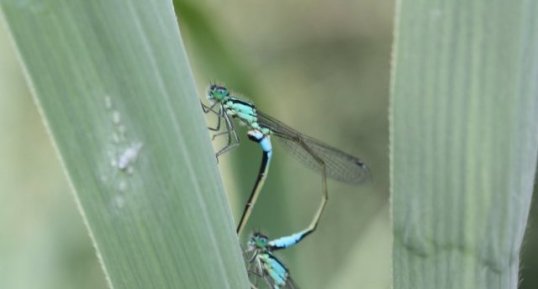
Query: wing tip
x,y
364,174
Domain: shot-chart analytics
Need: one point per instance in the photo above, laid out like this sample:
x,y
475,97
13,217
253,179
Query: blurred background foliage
x,y
320,66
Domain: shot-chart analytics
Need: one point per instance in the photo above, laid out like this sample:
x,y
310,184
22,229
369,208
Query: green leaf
x,y
464,123
113,83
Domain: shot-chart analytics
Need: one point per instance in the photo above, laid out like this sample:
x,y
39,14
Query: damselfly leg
x,y
233,139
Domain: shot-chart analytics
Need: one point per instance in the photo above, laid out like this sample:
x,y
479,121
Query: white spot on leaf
x,y
119,201
115,138
108,102
129,156
116,117
122,186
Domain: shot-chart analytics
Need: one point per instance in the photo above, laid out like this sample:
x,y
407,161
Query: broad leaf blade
x,y
114,85
464,116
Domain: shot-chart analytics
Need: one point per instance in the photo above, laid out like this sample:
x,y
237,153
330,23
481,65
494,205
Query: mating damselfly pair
x,y
329,161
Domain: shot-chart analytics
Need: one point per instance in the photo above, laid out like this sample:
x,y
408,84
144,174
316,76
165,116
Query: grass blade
x,y
112,80
464,117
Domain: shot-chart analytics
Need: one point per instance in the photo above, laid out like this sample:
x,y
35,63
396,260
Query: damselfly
x,y
262,264
330,161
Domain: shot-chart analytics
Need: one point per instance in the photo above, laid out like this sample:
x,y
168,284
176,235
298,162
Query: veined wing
x,y
338,164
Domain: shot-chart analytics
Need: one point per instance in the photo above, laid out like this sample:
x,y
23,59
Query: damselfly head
x,y
217,93
257,241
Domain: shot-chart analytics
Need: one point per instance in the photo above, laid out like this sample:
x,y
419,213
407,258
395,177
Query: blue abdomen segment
x,y
262,139
288,241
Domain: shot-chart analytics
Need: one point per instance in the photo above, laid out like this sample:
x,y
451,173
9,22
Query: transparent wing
x,y
255,272
339,165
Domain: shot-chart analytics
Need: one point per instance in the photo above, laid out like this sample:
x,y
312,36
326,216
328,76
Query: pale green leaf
x,y
464,124
113,83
